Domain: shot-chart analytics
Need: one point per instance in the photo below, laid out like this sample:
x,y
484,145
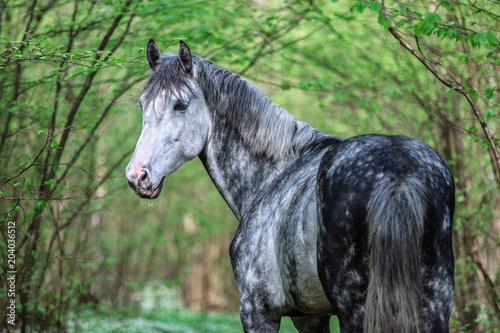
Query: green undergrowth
x,y
159,309
169,320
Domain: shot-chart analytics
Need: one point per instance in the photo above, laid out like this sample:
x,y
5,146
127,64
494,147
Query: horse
x,y
360,228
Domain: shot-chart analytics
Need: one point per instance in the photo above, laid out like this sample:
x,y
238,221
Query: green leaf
x,y
375,6
441,33
480,37
383,21
489,93
334,1
450,92
54,145
434,17
404,10
474,94
427,25
419,28
39,205
428,29
400,24
492,38
485,143
490,114
447,5
360,6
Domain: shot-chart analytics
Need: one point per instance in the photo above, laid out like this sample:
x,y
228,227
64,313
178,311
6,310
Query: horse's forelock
x,y
168,77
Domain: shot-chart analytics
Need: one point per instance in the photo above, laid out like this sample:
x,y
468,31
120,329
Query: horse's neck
x,y
238,173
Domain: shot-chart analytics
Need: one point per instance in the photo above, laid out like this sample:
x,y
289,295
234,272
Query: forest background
x,y
70,75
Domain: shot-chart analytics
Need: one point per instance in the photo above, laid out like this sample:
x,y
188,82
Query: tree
x,y
53,114
456,41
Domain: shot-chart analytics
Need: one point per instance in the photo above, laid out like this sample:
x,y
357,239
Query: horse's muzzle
x,y
142,185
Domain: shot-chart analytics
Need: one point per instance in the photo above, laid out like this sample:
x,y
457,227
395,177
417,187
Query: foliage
x,y
70,74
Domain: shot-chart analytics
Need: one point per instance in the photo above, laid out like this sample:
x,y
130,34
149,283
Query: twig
x,y
40,245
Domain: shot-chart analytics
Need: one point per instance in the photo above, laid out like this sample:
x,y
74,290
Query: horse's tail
x,y
396,213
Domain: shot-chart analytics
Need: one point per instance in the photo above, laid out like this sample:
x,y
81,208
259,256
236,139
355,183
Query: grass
x,y
160,311
172,321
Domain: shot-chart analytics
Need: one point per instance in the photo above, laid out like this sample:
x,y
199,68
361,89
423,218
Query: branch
x,y
278,34
477,260
56,58
97,124
88,81
84,203
40,245
31,164
459,88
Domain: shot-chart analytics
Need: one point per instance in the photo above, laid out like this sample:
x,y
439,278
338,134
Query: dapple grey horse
x,y
360,228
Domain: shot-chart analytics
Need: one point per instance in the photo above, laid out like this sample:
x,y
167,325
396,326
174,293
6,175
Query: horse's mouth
x,y
155,193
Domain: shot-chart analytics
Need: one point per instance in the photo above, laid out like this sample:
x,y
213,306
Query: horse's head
x,y
175,121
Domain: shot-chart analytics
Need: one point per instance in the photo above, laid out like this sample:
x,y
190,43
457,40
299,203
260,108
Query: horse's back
x,y
376,174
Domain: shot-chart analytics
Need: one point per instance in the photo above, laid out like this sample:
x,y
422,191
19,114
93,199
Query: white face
x,y
175,128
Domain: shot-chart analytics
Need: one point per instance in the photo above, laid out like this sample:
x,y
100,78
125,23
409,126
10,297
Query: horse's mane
x,y
266,127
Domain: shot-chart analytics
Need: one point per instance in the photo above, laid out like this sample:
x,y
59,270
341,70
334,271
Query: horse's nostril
x,y
144,180
143,176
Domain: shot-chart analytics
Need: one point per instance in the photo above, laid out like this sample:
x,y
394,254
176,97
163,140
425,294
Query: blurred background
x,y
71,72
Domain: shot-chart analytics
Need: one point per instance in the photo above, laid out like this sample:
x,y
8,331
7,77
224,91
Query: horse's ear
x,y
185,57
153,54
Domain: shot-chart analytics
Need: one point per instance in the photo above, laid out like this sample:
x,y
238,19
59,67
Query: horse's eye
x,y
180,106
